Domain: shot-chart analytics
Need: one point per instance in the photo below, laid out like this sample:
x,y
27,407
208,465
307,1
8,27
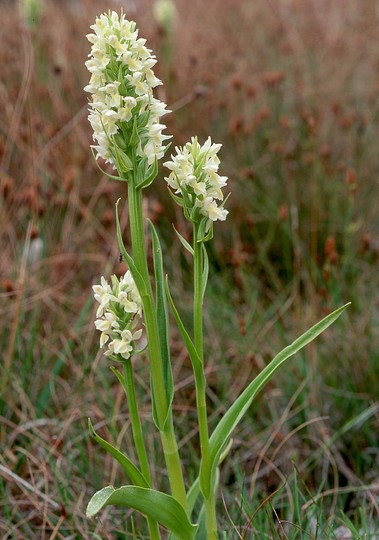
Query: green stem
x,y
139,442
130,392
210,518
162,406
198,295
200,382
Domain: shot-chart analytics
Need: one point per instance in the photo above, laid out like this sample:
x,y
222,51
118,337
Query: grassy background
x,y
290,87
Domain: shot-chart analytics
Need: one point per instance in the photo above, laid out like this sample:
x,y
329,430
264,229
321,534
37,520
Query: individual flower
x,y
124,115
196,183
118,315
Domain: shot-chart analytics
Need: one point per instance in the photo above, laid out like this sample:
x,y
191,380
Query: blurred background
x,y
290,88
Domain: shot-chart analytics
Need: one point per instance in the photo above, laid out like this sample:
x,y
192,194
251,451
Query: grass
x,y
289,88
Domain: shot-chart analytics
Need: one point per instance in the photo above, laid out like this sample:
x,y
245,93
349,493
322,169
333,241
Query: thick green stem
x,y
162,407
200,381
135,420
138,436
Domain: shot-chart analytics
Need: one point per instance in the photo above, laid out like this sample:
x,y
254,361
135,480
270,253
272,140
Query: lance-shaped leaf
x,y
232,417
151,176
195,359
204,277
134,139
112,176
138,279
156,505
123,161
128,466
162,315
184,242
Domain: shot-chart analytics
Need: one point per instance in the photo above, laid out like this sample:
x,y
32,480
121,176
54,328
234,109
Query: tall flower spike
x,y
122,104
196,183
118,315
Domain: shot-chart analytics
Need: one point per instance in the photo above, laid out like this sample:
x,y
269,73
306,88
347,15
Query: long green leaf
x,y
139,281
162,314
195,359
229,421
154,504
129,468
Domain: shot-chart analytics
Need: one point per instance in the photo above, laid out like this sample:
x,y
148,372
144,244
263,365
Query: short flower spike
x,y
119,312
195,180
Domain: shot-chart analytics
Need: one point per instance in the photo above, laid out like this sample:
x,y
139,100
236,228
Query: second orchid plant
x,y
128,134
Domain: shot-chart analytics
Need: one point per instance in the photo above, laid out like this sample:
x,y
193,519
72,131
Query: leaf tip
x,y
98,501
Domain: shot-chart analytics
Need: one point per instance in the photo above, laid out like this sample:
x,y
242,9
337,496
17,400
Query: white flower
x,y
121,85
194,177
210,209
102,295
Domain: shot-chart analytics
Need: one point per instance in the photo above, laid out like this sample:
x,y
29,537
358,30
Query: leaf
x,y
195,359
205,230
177,199
152,174
162,316
154,504
194,491
123,161
112,176
184,241
232,417
139,281
129,468
204,279
192,495
134,139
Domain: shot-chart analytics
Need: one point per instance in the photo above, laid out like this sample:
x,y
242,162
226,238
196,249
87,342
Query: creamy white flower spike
x,y
121,84
119,313
195,180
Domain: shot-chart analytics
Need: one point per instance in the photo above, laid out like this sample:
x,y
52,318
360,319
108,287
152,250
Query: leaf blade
x,y
194,357
162,315
183,241
229,421
154,504
127,465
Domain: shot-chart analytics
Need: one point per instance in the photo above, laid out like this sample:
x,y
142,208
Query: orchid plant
x,y
128,134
